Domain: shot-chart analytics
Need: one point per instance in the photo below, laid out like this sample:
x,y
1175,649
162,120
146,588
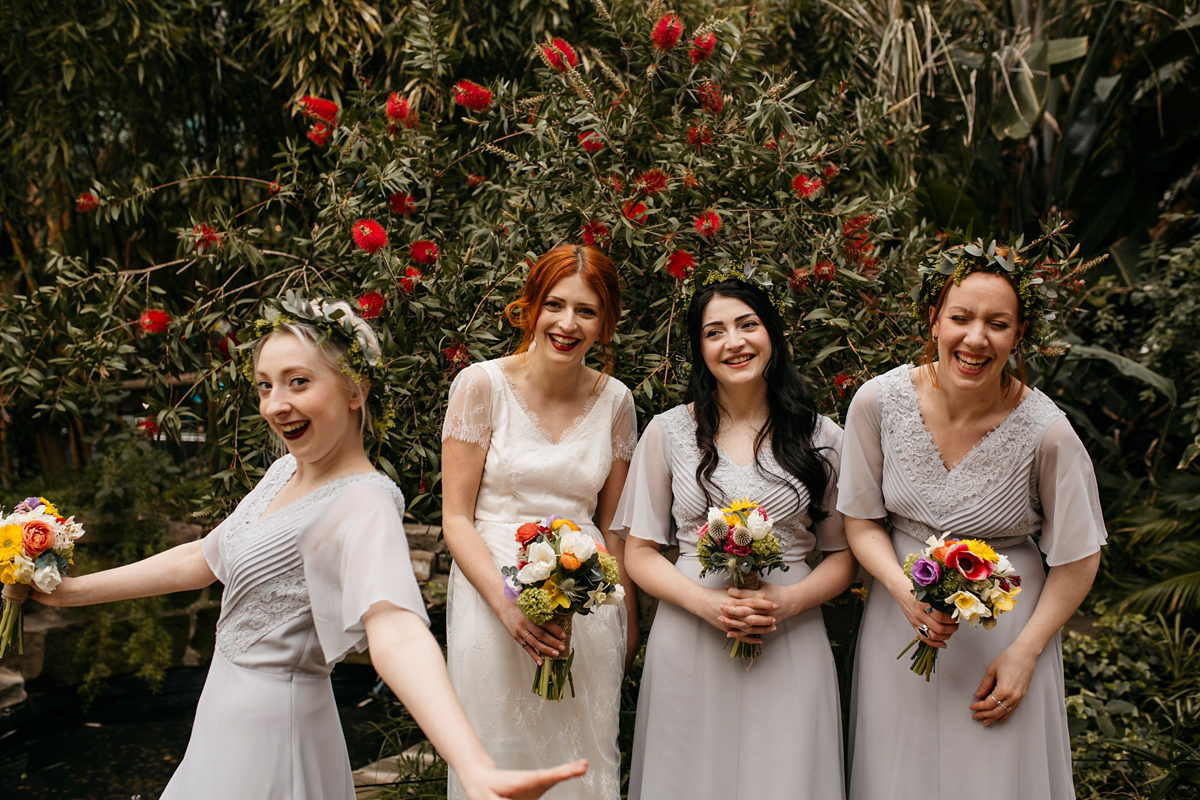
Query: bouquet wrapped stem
x,y
553,675
13,617
746,580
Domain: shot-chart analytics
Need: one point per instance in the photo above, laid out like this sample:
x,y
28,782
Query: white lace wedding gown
x,y
912,740
528,476
297,582
706,726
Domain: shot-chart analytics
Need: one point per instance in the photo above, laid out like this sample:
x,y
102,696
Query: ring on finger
x,y
928,609
1006,708
923,630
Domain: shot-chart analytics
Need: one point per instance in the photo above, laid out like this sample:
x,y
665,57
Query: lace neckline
x,y
532,416
1012,416
320,493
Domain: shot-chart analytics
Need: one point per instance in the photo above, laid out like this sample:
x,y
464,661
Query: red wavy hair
x,y
598,272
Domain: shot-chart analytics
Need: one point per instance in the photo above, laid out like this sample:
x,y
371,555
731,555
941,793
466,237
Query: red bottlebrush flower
x,y
148,427
274,188
635,212
711,97
402,203
319,135
831,172
825,270
616,182
689,180
771,144
154,320
370,304
651,182
591,141
319,108
423,251
799,280
594,232
708,223
855,224
474,179
87,202
680,264
841,381
805,186
458,356
206,237
369,235
699,137
472,95
412,276
397,107
560,55
666,32
702,47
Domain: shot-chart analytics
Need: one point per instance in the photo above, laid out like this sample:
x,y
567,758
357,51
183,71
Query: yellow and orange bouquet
x,y
36,546
965,578
560,572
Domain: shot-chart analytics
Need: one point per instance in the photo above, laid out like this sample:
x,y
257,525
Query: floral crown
x,y
333,322
715,272
1036,270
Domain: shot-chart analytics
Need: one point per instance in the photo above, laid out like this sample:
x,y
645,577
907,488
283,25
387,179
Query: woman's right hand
x,y
940,625
536,640
715,607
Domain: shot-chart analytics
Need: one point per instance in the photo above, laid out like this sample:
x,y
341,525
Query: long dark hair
x,y
791,403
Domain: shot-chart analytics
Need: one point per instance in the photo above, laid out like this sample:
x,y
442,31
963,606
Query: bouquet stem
x,y
553,675
746,580
12,619
924,660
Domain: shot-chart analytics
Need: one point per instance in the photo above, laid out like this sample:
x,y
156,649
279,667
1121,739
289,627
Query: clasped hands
x,y
747,615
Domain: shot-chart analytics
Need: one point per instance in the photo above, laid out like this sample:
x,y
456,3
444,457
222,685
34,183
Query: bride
x,y
529,436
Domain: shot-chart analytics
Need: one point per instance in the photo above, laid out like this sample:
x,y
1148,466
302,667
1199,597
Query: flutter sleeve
x,y
644,510
830,532
356,557
469,412
1073,522
860,483
624,428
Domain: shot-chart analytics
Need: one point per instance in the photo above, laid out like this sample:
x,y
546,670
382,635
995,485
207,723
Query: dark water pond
x,y
129,742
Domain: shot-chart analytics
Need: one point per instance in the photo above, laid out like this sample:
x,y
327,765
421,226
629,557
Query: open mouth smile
x,y
739,360
563,343
971,363
293,430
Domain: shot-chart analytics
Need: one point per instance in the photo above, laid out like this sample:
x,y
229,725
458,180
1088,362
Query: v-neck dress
x,y
528,475
297,583
1029,476
706,726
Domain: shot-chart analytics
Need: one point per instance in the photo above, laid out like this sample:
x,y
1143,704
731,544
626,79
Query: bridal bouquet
x,y
962,577
35,548
560,572
738,542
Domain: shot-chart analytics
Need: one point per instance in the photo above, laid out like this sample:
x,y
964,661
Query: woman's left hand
x,y
750,614
1004,685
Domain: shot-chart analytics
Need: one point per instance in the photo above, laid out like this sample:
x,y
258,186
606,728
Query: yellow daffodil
x,y
1003,601
557,598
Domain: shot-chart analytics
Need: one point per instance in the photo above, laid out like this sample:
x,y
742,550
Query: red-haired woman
x,y
529,436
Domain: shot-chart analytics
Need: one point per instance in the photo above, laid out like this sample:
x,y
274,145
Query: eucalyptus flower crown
x,y
332,322
1036,270
716,272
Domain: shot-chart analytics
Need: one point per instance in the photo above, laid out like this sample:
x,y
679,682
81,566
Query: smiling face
x,y
976,331
569,320
308,403
734,342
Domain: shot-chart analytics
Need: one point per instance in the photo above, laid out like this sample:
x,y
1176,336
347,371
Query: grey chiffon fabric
x,y
530,475
706,727
297,583
915,740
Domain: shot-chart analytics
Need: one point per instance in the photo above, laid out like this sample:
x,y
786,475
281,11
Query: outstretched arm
x,y
407,657
175,570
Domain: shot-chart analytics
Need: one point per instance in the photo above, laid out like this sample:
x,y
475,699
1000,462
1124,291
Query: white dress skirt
x,y
527,476
915,740
708,727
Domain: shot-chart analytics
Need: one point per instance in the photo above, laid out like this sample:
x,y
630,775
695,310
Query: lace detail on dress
x,y
533,418
786,503
1003,449
623,447
274,602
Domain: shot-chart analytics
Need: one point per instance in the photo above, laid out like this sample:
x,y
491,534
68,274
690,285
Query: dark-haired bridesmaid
x,y
707,727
